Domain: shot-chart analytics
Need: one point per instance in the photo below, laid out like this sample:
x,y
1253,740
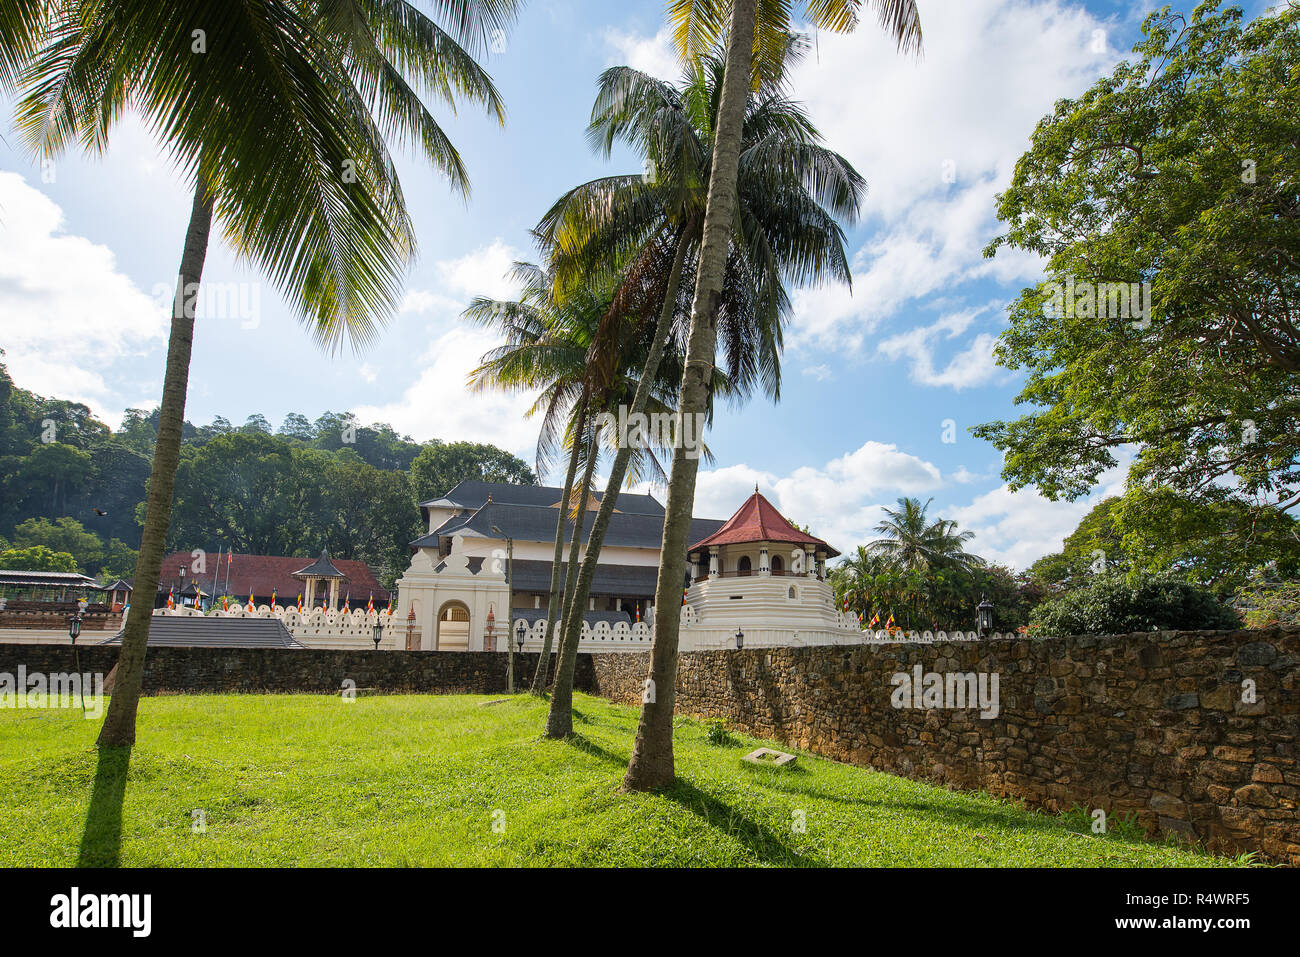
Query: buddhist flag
x,y
273,598
300,603
251,606
170,602
346,607
370,604
890,624
225,603
875,620
846,602
638,611
684,596
390,606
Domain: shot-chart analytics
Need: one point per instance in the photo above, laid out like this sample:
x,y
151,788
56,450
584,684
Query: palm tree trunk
x,y
119,722
560,724
652,754
553,599
560,720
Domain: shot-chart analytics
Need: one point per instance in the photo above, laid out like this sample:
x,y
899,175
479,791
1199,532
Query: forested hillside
x,y
71,488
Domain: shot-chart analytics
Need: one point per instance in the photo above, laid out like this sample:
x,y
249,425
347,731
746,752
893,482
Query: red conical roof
x,y
758,521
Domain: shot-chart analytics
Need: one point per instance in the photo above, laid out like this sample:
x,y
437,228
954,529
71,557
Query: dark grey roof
x,y
474,494
120,585
195,631
618,581
527,523
57,579
320,568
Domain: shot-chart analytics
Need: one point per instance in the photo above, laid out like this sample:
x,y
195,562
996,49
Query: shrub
x,y
716,733
1115,604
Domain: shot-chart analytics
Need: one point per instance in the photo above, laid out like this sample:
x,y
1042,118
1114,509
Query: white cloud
x,y
654,55
68,313
1017,528
438,404
937,139
971,366
819,372
840,501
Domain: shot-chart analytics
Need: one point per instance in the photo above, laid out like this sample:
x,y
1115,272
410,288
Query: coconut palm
x,y
911,541
750,44
791,191
560,346
279,114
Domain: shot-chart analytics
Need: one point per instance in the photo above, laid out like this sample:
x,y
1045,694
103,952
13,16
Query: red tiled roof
x,y
759,521
259,574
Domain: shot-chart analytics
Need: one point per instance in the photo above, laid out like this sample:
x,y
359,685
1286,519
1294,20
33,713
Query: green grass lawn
x,y
414,780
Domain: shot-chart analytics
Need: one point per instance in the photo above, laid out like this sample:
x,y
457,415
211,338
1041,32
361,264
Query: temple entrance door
x,y
453,627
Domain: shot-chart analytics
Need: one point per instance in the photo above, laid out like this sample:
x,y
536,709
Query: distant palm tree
x,y
279,113
755,49
911,541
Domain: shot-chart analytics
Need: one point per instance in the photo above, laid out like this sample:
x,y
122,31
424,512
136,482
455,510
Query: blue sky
x,y
871,376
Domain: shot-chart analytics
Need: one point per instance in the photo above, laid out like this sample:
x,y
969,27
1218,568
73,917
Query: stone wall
x,y
1153,724
276,670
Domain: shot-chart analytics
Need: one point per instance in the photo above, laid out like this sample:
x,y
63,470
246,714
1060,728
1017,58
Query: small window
x,y
743,567
776,564
793,592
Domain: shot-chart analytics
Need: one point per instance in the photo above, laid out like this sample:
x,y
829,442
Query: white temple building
x,y
483,570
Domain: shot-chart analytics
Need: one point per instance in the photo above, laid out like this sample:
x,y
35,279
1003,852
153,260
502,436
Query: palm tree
x,y
699,26
279,113
559,346
911,541
791,191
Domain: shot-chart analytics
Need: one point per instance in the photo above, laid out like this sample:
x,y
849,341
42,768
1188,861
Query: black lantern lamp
x,y
740,639
520,630
377,634
984,616
74,627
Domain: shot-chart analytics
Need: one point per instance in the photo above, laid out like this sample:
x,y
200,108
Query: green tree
x,y
1116,604
282,127
37,558
1178,171
63,535
699,27
440,466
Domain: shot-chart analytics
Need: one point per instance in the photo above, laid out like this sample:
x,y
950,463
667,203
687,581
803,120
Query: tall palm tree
x,y
699,27
279,113
791,191
910,540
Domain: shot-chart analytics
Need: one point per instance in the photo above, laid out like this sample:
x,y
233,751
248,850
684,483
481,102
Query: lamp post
x,y
377,634
520,630
984,616
510,603
740,639
74,629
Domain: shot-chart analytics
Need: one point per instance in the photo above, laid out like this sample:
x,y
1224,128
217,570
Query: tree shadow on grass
x,y
101,839
765,843
1008,817
588,746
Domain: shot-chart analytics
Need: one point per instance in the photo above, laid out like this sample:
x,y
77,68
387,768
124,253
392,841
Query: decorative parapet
x,y
603,636
317,627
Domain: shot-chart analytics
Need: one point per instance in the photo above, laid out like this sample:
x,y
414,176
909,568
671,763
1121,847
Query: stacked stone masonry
x,y
1155,724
